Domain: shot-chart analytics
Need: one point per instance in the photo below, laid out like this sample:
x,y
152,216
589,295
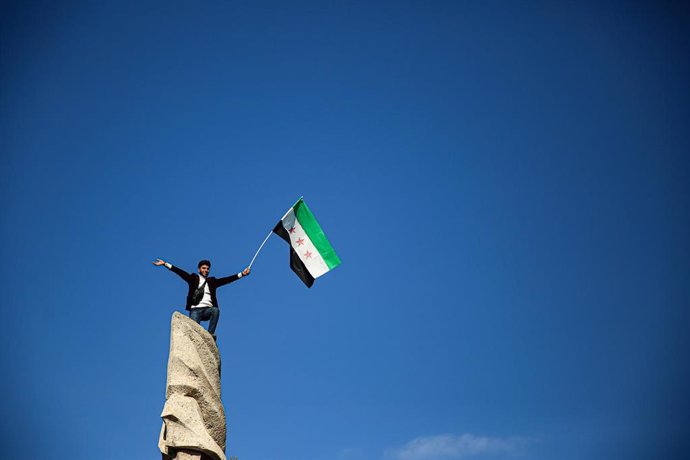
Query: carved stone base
x,y
194,425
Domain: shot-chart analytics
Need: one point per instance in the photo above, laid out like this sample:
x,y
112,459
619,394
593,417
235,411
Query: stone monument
x,y
193,415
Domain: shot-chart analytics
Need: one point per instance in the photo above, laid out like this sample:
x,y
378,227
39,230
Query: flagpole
x,y
271,232
262,245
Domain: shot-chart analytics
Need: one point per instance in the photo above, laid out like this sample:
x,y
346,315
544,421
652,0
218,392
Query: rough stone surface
x,y
187,456
193,415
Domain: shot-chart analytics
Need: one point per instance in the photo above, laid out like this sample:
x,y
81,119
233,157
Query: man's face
x,y
203,270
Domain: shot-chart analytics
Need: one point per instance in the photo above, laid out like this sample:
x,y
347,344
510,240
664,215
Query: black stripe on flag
x,y
296,263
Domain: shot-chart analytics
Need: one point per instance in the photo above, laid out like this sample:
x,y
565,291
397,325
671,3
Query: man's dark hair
x,y
204,262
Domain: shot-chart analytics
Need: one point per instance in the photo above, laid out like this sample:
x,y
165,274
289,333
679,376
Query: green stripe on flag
x,y
316,235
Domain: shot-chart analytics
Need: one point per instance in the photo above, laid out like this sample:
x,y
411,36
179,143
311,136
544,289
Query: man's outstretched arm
x,y
231,278
178,271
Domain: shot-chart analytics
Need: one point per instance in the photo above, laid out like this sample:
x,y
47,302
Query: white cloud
x,y
450,446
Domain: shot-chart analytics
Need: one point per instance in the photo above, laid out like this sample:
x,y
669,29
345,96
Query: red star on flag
x,y
292,230
307,255
300,241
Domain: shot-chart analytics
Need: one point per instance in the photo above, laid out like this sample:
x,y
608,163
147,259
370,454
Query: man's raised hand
x,y
158,262
246,271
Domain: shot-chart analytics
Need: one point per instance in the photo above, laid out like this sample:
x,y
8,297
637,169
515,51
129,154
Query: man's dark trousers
x,y
209,314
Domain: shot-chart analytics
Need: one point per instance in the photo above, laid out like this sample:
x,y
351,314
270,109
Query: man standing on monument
x,y
201,297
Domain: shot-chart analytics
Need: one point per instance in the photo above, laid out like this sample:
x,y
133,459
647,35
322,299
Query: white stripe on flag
x,y
303,246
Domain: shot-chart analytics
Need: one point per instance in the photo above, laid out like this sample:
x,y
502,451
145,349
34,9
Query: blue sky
x,y
506,183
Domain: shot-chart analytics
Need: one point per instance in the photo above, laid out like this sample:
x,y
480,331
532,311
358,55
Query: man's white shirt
x,y
206,300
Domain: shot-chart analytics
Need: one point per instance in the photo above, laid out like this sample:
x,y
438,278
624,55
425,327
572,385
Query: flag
x,y
311,255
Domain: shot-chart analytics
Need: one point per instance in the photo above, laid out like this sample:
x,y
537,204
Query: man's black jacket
x,y
193,282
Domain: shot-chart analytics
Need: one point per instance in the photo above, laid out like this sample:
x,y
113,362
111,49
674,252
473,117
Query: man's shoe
x,y
215,338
